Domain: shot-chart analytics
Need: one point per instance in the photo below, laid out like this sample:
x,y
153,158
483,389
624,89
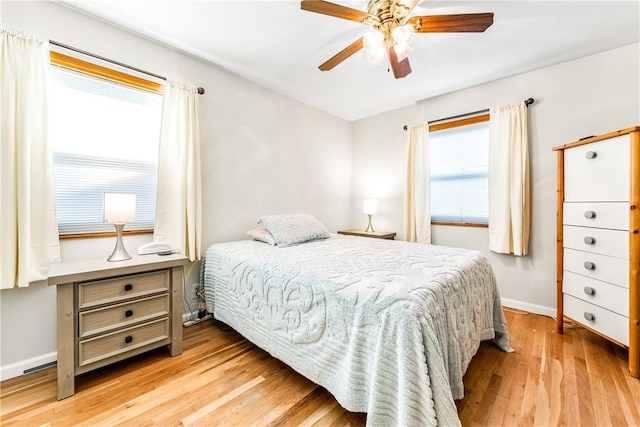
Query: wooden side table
x,y
375,234
110,311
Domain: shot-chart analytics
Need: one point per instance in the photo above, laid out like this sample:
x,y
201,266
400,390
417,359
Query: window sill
x,y
106,234
460,224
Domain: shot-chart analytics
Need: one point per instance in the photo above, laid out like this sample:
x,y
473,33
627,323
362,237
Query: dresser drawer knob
x,y
128,287
129,313
591,154
589,290
128,339
589,214
589,316
589,265
590,240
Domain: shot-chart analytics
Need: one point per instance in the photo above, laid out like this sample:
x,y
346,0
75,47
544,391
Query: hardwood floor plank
x,y
583,390
318,414
570,409
572,379
489,398
302,409
209,408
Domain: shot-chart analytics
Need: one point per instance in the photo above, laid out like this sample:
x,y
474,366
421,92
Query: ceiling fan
x,y
393,29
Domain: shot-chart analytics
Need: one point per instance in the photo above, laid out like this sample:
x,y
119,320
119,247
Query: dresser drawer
x,y
602,177
95,293
604,321
117,316
605,268
104,346
597,240
603,294
600,215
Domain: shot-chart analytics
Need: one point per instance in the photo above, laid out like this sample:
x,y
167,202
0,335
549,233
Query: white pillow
x,y
291,229
261,234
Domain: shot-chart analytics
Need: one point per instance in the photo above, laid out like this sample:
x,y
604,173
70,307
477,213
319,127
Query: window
x,y
459,166
105,140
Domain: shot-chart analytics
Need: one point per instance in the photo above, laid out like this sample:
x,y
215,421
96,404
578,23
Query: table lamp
x,y
370,207
119,209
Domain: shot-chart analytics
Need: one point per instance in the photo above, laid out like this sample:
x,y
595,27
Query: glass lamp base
x,y
119,252
370,226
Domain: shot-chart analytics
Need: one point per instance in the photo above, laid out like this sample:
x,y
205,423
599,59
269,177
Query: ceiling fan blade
x,y
400,68
401,8
342,55
332,9
461,23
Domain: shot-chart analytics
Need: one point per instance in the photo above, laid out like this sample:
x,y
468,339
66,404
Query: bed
x,y
387,327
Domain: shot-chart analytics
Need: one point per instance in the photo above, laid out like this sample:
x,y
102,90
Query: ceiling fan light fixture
x,y
402,37
403,34
374,44
402,52
376,57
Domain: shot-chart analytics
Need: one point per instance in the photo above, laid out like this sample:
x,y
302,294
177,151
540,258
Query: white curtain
x,y
417,222
27,211
509,204
178,206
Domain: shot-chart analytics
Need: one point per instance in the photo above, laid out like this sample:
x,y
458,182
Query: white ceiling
x,y
275,43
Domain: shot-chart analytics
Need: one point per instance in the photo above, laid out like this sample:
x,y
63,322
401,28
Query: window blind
x,y
459,165
81,181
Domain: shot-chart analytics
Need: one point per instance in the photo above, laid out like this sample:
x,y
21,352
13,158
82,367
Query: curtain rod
x,y
527,102
84,52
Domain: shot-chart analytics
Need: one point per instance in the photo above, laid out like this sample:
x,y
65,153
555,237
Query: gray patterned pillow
x,y
291,229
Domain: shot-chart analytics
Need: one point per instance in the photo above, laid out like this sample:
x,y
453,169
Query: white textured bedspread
x,y
388,327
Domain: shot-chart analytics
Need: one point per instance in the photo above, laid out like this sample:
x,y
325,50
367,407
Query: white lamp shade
x,y
370,206
119,208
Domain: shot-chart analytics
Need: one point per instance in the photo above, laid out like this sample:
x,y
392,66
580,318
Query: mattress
x,y
387,327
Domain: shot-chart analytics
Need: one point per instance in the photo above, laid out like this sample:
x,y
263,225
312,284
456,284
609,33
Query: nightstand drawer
x,y
603,294
117,316
597,171
604,321
597,240
599,267
600,215
95,293
105,346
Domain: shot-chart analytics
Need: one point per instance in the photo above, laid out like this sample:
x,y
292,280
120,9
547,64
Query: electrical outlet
x,y
193,297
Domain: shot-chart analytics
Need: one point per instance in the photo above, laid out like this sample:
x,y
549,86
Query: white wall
x,y
589,96
262,153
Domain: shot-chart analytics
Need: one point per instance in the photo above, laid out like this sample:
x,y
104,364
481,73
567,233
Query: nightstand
x,y
375,234
110,311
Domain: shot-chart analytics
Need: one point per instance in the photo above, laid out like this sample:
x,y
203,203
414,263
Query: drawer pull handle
x,y
128,287
589,214
589,290
590,240
128,313
128,339
589,316
589,265
591,154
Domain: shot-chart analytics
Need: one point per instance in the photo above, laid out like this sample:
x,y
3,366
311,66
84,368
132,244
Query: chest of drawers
x,y
110,311
598,240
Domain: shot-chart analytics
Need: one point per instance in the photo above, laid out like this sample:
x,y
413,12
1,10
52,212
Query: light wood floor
x,y
221,379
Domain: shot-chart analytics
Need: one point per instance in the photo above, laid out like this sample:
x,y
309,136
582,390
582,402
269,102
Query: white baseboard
x,y
530,308
17,369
